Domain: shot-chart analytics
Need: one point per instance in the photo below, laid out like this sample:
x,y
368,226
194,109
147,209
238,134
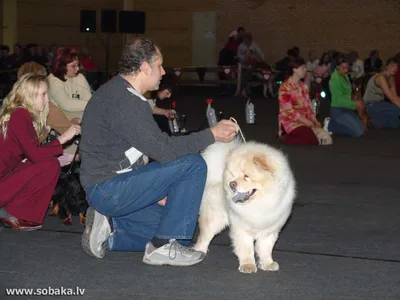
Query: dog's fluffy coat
x,y
250,188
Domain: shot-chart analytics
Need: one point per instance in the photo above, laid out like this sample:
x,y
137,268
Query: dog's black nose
x,y
233,185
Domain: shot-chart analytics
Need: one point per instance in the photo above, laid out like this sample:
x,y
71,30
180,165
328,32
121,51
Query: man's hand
x,y
169,113
225,131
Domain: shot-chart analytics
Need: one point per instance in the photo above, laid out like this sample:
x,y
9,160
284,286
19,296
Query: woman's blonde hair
x,y
35,68
24,94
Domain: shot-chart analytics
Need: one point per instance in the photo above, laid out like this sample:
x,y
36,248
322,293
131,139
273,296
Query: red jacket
x,y
22,143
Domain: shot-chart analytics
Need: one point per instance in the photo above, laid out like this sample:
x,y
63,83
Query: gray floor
x,y
342,241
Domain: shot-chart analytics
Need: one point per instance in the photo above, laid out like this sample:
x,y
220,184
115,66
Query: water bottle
x,y
250,115
315,105
210,112
172,122
175,119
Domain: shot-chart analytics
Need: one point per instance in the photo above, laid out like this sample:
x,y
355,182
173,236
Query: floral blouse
x,y
294,101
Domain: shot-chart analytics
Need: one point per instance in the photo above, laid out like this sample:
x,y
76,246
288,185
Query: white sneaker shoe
x,y
173,254
95,236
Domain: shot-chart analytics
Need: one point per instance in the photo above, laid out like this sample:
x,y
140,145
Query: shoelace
x,y
175,247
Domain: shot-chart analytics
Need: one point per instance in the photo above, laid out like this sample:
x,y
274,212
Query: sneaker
x,y
326,125
95,236
173,254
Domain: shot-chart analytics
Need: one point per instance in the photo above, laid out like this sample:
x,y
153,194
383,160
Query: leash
x,y
71,165
240,130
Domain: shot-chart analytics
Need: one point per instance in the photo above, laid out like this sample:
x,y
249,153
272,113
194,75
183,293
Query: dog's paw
x,y
68,221
248,268
82,219
55,210
274,266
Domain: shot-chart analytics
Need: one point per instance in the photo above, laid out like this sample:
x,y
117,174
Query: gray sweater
x,y
118,128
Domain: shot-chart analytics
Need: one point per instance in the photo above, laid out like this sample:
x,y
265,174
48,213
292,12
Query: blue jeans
x,y
130,199
384,114
345,122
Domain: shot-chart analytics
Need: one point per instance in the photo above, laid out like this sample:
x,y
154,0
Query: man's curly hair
x,y
135,53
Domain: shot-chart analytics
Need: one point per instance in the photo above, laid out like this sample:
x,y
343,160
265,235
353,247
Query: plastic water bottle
x,y
315,105
210,112
250,115
172,122
175,120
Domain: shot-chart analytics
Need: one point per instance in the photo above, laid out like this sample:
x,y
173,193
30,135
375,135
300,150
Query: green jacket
x,y
341,91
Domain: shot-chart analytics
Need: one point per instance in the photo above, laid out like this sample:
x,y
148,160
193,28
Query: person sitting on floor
x,y
123,192
28,172
346,112
381,99
68,89
161,115
296,116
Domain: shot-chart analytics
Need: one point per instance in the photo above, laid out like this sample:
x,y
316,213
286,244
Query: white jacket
x,y
71,96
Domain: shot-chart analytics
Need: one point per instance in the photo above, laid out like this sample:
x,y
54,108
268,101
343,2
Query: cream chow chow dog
x,y
250,188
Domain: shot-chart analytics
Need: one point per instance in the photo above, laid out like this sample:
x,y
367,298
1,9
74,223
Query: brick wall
x,y
318,25
169,23
47,22
276,25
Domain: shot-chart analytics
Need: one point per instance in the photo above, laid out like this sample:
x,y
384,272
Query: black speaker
x,y
88,21
108,21
132,21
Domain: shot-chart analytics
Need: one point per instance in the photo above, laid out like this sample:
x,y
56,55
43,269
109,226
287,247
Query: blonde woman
x,y
28,171
56,119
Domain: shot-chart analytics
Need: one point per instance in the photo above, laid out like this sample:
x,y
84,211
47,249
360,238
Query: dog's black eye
x,y
246,177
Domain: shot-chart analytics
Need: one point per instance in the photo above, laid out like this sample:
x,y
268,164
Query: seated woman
x,y
68,89
161,115
373,63
381,99
345,111
28,172
357,68
296,117
322,69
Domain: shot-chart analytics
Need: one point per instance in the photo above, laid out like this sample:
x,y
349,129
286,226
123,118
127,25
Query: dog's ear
x,y
262,163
